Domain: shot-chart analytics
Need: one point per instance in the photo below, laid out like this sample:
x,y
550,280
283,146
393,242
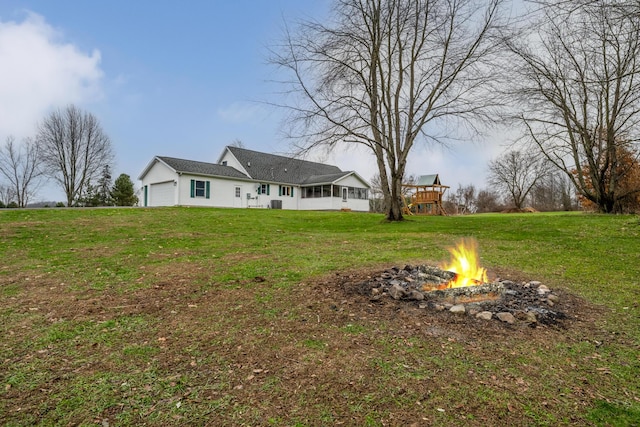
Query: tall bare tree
x,y
19,164
6,195
577,86
387,73
74,149
515,174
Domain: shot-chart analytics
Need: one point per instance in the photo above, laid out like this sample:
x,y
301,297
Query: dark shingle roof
x,y
274,168
324,179
201,168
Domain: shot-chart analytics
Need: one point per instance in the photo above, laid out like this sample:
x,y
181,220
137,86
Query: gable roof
x,y
195,167
261,167
274,168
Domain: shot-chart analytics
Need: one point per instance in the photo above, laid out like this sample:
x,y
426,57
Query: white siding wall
x,y
351,181
232,161
222,192
159,181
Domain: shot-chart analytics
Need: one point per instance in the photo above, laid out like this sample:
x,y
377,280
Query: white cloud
x,y
40,71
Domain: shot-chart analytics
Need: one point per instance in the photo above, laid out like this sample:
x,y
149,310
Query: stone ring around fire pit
x,y
529,303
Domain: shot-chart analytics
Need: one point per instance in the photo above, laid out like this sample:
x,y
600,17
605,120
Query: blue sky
x,y
181,79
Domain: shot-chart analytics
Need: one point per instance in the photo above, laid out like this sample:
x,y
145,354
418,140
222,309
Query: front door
x,y
345,193
237,197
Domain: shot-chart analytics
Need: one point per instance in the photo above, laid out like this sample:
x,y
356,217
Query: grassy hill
x,y
195,316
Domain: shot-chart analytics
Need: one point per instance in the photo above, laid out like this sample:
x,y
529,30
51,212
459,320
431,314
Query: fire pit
x,y
461,287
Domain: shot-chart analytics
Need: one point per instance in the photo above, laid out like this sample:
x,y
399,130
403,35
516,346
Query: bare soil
x,y
320,353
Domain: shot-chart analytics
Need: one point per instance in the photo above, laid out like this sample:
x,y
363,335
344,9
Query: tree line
x,y
387,74
70,148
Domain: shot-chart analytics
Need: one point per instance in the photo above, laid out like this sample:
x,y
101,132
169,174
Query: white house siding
x,y
333,203
233,162
221,192
351,181
160,190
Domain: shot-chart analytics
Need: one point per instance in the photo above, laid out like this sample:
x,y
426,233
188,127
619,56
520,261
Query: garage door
x,y
162,194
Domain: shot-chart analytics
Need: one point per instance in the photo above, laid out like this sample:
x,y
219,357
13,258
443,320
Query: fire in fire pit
x,y
462,287
464,267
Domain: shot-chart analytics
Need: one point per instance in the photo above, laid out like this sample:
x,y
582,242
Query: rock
x,y
439,307
473,310
394,282
520,315
396,291
531,317
423,305
506,317
535,283
553,298
543,290
484,315
416,295
458,309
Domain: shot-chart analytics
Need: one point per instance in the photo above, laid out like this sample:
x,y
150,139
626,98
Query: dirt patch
x,y
318,353
352,290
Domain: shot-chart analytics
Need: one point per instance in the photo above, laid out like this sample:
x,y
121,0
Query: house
x,y
244,178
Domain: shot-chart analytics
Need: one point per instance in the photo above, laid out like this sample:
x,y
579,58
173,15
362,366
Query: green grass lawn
x,y
196,316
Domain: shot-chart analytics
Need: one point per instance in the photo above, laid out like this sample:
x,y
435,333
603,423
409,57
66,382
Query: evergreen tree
x,y
90,197
123,193
104,187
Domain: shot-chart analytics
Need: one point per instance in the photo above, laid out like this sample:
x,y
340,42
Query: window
x,y
286,190
316,191
200,188
263,189
238,191
352,193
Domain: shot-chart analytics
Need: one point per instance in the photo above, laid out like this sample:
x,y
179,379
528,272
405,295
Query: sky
x,y
178,79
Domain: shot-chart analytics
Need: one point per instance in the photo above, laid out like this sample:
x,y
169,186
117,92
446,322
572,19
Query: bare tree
x,y
19,164
553,192
487,201
577,85
377,203
516,173
463,200
7,195
74,149
387,73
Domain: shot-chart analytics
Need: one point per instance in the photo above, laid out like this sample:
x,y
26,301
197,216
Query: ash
x,y
529,303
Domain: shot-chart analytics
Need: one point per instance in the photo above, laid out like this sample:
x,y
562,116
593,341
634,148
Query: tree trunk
x,y
395,201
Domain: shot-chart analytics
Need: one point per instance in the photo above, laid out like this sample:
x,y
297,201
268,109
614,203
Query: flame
x,y
464,262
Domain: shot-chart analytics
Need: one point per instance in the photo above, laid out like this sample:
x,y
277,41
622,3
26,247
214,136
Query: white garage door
x,y
162,194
